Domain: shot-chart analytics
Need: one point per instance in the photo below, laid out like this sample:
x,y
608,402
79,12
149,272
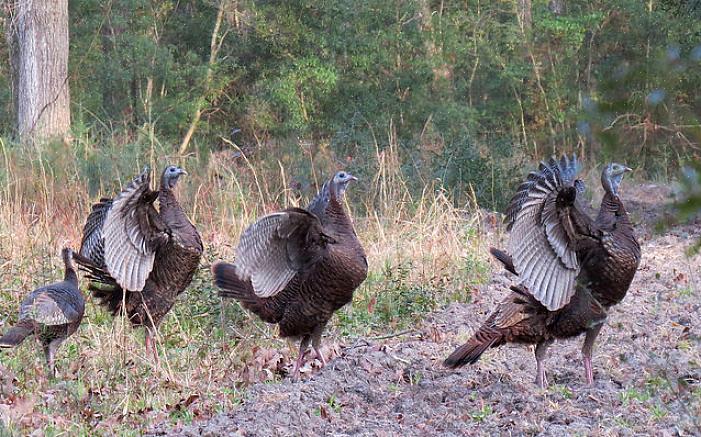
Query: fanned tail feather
x,y
16,335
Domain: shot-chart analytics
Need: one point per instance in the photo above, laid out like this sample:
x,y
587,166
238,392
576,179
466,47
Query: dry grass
x,y
423,252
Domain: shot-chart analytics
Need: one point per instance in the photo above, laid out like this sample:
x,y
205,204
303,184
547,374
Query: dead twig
x,y
396,334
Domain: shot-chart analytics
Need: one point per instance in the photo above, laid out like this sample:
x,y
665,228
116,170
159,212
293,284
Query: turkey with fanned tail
x,y
140,258
572,268
296,267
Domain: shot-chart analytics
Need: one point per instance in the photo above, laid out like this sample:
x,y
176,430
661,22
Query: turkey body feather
x,y
51,313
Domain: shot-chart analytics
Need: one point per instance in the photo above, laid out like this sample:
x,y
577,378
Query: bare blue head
x,y
340,182
612,176
170,176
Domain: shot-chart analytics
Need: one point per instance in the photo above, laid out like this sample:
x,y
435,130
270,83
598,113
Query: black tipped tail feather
x,y
16,335
104,289
471,351
232,287
229,283
503,258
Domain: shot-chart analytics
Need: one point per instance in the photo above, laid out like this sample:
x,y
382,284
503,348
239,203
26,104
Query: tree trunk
x,y
525,16
42,99
441,69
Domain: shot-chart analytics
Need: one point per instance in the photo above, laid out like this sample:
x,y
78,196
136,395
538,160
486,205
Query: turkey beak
x,y
352,178
627,169
182,171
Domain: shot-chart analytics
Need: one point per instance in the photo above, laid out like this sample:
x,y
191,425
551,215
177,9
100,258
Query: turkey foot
x,y
320,357
303,345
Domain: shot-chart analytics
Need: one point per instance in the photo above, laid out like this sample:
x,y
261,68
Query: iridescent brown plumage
x,y
52,313
295,268
573,268
141,258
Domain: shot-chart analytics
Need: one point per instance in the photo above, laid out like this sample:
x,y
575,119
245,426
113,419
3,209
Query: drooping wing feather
x,y
41,307
277,247
540,243
127,233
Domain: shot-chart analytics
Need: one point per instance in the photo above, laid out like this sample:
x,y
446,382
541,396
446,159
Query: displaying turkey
x,y
572,268
140,258
295,268
52,313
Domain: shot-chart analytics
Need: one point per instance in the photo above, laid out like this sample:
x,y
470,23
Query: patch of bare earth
x,y
647,374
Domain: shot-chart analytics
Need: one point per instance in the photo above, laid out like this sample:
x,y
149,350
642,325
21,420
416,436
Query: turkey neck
x,y
337,220
173,215
613,215
167,199
608,271
70,275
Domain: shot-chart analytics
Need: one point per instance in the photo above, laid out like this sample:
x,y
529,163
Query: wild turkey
x,y
295,268
52,313
140,258
572,268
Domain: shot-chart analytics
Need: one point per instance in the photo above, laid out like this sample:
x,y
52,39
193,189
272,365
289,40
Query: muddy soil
x,y
647,366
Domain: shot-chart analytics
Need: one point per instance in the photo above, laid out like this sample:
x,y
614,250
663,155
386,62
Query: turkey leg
x,y
540,354
316,344
587,349
50,353
303,345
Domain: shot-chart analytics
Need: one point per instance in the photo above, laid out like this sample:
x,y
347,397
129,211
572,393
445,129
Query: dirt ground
x,y
647,367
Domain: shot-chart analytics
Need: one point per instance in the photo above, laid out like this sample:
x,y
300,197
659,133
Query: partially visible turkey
x,y
140,258
572,268
297,267
52,313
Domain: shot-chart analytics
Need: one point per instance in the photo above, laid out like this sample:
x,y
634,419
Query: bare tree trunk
x,y
525,17
42,98
441,69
